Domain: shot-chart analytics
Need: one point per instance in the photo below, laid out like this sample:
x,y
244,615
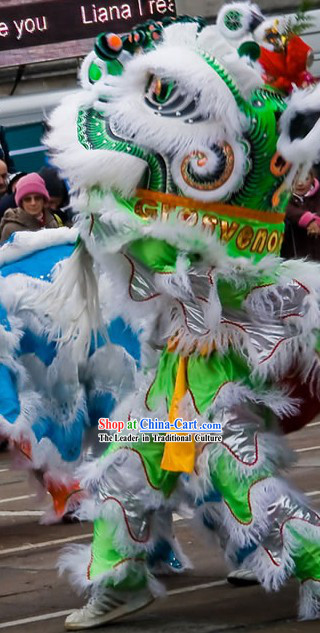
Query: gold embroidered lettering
x,y
228,230
273,241
260,241
244,237
210,222
146,209
189,216
165,212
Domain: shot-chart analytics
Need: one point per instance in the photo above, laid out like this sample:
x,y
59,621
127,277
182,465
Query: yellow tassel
x,y
179,456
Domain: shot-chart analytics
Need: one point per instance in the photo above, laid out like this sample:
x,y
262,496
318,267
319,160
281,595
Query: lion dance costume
x,y
181,159
50,403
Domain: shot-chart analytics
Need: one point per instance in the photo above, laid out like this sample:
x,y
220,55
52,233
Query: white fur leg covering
x,y
309,600
77,559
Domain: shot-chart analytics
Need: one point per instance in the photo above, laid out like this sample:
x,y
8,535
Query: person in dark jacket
x,y
58,192
303,219
31,213
4,178
8,201
4,151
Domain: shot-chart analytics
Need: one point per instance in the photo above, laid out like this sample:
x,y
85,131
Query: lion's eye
x,y
168,99
159,90
95,72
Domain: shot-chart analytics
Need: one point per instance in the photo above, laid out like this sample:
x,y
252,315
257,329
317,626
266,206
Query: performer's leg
x,y
260,509
167,556
240,575
128,487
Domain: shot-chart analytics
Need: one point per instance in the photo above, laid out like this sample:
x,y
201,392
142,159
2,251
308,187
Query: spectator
x,y
31,214
4,151
58,192
3,178
303,219
8,201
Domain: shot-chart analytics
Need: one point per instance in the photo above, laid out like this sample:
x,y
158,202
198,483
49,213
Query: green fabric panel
x,y
233,296
132,582
164,383
114,67
105,557
155,254
233,488
307,558
207,375
151,454
230,295
318,343
95,72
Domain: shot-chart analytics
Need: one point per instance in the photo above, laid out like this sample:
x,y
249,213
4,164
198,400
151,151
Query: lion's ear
x,y
238,20
299,141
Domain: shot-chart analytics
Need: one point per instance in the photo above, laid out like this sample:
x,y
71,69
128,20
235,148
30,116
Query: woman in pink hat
x,y
31,213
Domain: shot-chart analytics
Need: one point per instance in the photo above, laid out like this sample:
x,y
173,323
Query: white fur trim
x,y
304,150
27,242
76,560
72,302
245,11
309,600
85,168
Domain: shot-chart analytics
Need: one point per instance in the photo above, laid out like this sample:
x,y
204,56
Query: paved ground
x,y
34,600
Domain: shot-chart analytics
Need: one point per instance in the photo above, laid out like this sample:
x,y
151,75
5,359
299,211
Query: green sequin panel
x,y
106,558
94,133
307,556
235,489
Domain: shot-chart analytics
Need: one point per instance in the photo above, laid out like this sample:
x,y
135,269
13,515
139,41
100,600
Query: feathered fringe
x,y
52,518
120,227
312,377
26,243
20,429
272,454
110,370
9,339
301,151
273,575
164,529
262,494
262,301
129,463
75,560
309,600
72,302
235,393
111,512
85,168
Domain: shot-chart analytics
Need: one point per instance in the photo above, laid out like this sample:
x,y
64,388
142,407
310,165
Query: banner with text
x,y
39,24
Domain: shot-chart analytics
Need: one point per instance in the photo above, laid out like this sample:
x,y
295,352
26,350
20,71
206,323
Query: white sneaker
x,y
107,607
242,577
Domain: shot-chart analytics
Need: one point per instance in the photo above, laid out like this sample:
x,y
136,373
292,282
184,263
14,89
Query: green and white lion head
x,y
174,108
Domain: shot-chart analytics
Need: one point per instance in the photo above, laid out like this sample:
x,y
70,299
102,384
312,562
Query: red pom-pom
x,y
114,42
